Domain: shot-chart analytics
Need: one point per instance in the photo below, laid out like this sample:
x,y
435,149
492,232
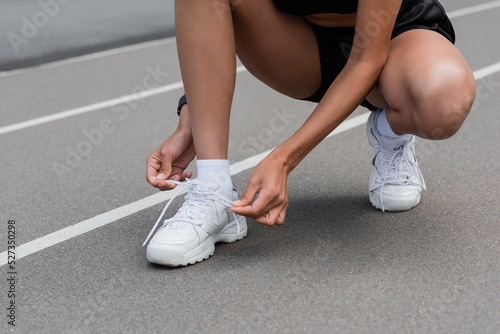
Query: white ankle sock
x,y
383,126
215,171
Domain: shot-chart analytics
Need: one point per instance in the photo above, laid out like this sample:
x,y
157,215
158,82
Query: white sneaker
x,y
395,181
203,220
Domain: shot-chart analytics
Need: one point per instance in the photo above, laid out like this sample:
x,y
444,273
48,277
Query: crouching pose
x,y
394,57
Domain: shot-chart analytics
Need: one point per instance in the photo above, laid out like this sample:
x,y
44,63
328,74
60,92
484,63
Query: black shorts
x,y
335,44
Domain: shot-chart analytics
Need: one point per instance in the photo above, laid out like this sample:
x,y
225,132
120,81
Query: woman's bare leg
x,y
427,86
278,48
207,59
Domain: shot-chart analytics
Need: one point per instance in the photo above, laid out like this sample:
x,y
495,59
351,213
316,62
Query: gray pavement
x,y
336,265
34,32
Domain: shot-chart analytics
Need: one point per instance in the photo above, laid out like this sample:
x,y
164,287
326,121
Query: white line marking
x,y
473,9
133,47
479,74
159,90
87,225
486,71
126,210
100,54
129,209
349,124
89,108
96,106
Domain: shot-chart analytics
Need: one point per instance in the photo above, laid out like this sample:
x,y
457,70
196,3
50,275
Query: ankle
x,y
215,171
383,127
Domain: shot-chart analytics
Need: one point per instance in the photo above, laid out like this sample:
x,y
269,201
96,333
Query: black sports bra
x,y
308,7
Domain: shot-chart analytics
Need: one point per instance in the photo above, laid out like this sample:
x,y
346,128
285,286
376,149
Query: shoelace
x,y
188,215
402,166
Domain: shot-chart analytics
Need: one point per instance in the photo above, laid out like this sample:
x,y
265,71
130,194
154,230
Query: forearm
x,y
344,95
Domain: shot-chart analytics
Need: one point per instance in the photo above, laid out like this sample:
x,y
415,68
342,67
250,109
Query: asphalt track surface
x,y
336,265
34,32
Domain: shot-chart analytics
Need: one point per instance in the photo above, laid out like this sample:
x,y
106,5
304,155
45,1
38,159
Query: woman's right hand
x,y
171,158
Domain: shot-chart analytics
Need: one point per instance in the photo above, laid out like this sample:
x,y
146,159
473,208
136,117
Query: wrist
x,y
292,151
282,156
184,123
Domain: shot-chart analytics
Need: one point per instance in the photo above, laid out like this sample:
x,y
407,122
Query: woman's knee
x,y
442,98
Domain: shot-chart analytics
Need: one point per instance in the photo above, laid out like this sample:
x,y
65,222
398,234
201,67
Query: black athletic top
x,y
303,7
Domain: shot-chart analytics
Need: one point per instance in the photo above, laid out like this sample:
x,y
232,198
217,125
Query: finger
x,y
179,171
167,185
248,195
265,220
151,173
186,175
254,211
166,168
246,211
271,218
153,164
274,215
157,182
281,216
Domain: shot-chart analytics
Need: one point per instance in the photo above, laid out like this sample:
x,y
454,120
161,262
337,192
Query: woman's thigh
x,y
278,48
426,82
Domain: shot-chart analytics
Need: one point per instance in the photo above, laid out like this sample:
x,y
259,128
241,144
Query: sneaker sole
x,y
206,249
395,205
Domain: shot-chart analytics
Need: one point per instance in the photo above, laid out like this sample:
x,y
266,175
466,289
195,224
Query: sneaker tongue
x,y
393,143
207,185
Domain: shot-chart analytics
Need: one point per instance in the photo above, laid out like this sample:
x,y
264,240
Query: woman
x,y
395,57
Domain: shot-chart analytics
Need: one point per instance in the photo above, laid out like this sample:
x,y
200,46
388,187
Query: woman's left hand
x,y
269,181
